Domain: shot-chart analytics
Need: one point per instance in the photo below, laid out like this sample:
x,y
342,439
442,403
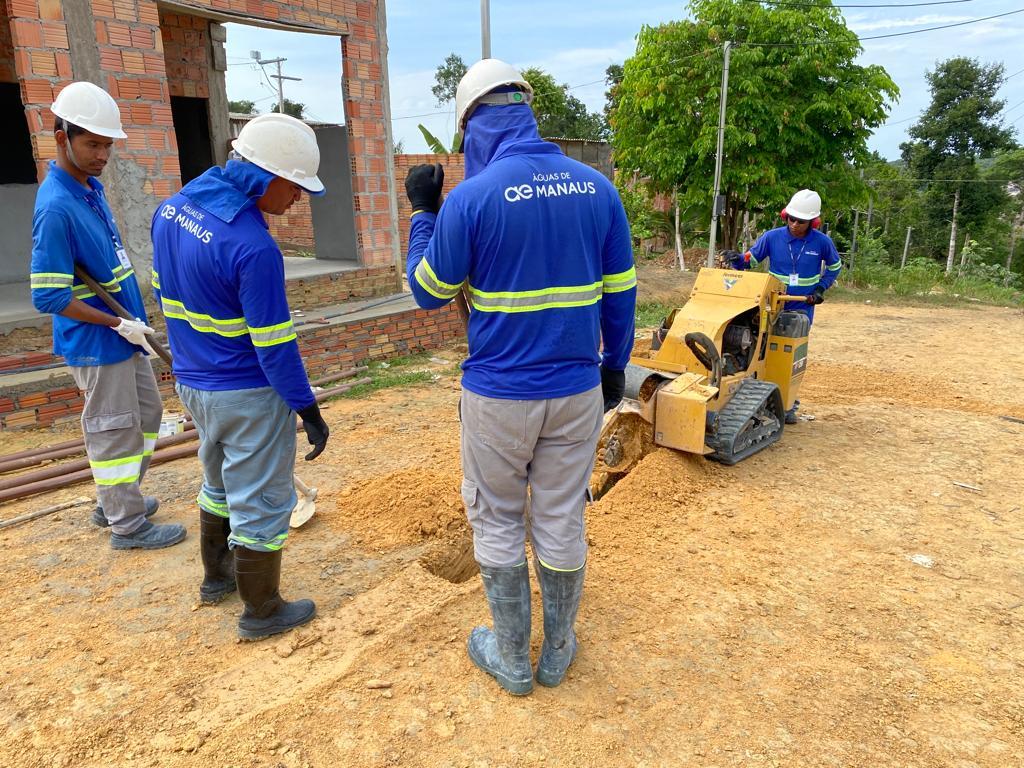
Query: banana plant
x,y
437,146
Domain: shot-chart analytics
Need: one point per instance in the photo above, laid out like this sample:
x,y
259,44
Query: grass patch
x,y
397,372
651,313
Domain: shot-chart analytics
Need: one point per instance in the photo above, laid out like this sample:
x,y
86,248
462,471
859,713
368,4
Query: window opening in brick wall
x,y
192,128
19,166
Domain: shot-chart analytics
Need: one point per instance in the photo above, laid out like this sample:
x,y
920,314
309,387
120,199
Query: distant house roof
x,y
573,141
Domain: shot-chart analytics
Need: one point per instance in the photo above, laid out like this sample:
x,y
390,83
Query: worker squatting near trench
x,y
555,410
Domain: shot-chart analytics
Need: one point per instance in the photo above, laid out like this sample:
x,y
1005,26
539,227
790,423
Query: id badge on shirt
x,y
122,256
794,279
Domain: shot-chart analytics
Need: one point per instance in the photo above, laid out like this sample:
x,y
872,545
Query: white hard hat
x,y
89,107
805,204
482,78
284,146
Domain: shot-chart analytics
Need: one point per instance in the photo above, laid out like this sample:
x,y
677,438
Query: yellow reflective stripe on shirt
x,y
155,280
229,327
835,267
431,284
51,280
269,335
82,291
620,281
802,281
536,300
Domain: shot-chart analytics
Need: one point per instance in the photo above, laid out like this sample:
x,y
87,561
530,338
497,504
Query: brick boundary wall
x,y
454,172
294,227
324,349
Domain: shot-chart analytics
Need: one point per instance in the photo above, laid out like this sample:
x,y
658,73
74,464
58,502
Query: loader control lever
x,y
704,350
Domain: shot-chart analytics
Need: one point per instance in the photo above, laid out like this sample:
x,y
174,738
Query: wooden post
x,y
952,233
906,249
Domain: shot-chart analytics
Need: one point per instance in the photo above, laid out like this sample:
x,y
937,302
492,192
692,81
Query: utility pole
x,y
906,249
485,29
279,77
718,205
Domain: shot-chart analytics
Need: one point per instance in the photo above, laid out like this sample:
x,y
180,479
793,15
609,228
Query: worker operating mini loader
x,y
797,253
219,278
543,244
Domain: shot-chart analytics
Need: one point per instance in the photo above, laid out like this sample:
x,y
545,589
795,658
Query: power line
x,y
884,37
786,4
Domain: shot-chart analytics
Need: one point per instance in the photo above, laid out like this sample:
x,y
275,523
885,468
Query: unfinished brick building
x,y
164,62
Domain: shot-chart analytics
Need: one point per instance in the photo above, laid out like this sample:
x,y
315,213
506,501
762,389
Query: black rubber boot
x,y
266,613
560,594
791,413
504,653
218,561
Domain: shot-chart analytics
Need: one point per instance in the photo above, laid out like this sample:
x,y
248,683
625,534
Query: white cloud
x,y
931,20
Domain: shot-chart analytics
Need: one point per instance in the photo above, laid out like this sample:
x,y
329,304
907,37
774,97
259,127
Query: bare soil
x,y
833,601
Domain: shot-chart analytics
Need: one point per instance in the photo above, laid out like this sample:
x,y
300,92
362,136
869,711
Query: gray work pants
x,y
120,423
544,449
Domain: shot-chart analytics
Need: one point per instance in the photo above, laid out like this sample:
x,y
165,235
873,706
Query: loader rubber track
x,y
750,422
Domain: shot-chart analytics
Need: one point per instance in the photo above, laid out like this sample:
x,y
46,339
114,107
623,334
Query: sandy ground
x,y
833,601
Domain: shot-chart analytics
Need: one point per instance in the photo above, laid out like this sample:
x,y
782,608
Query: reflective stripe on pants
x,y
120,422
247,448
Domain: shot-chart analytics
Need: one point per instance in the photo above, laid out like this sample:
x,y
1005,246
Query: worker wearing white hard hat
x,y
799,254
73,232
542,244
219,278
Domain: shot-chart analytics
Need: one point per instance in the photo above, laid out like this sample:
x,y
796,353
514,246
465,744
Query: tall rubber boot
x,y
218,561
560,594
791,417
504,653
266,613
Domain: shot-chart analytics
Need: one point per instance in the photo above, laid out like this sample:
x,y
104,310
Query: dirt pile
x,y
402,508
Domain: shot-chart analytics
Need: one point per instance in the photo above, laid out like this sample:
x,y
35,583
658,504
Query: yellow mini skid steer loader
x,y
722,372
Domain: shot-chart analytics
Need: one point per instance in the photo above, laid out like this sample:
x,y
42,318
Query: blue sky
x,y
576,40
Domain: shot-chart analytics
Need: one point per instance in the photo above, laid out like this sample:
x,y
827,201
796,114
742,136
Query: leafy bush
x,y
644,221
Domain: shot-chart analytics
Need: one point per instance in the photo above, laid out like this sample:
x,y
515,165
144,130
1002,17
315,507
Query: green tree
x,y
559,113
798,114
612,78
960,127
447,77
293,108
242,107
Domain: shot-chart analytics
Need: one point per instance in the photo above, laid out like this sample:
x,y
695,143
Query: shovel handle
x,y
305,490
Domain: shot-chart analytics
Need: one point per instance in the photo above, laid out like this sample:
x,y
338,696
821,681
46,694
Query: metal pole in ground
x,y
485,29
718,206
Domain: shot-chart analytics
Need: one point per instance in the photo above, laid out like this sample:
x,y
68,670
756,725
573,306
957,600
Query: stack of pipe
x,y
167,449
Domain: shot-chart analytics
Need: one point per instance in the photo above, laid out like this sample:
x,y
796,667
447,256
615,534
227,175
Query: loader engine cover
x,y
786,359
680,417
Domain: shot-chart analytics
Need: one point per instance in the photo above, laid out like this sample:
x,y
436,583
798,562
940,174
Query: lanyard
x,y
89,198
796,259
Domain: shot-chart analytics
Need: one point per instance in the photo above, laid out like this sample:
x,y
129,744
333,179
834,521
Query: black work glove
x,y
734,259
817,297
316,430
423,186
613,386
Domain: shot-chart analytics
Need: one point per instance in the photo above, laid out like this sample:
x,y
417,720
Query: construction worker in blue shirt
x,y
73,229
543,247
797,253
219,278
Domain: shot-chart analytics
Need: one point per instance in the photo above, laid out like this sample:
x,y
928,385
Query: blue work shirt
x,y
73,226
543,245
803,257
219,278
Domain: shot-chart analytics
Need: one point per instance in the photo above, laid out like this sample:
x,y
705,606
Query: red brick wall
x,y
7,71
186,41
454,171
130,45
324,349
338,287
295,227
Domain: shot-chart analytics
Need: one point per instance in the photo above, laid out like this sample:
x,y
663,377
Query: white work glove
x,y
134,332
